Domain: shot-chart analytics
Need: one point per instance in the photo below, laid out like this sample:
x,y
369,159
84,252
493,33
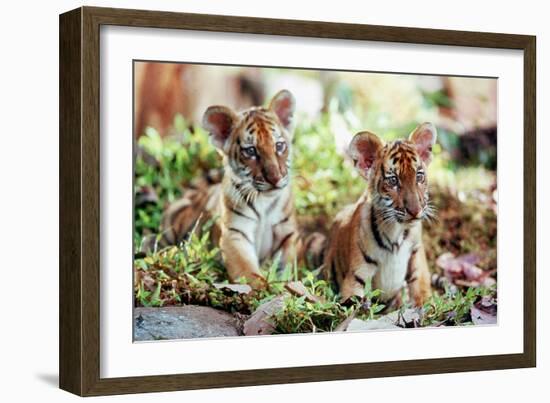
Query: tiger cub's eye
x,y
420,177
280,147
391,181
249,152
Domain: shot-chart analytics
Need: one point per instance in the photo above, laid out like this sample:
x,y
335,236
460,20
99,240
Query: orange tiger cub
x,y
379,238
253,204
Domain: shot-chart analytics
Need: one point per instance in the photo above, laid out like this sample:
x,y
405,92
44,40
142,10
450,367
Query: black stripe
x,y
270,207
287,236
395,145
238,231
382,175
333,272
394,245
405,235
411,280
410,277
394,156
251,206
376,232
237,212
367,258
284,220
359,280
174,214
249,126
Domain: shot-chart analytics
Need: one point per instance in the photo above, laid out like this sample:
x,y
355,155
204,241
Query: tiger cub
x,y
379,238
253,203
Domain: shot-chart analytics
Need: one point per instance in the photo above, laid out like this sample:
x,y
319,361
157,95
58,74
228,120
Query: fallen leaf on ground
x,y
234,288
260,322
462,270
342,327
148,282
377,324
298,289
409,318
484,311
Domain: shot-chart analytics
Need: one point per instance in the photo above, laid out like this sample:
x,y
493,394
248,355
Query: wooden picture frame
x,y
80,199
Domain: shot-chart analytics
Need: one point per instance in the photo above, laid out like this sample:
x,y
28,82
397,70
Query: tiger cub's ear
x,y
219,121
363,149
283,105
424,137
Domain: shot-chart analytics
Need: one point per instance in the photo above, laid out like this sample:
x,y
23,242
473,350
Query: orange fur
x,y
254,203
379,238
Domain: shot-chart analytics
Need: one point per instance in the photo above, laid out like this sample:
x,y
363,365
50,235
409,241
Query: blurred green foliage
x,y
323,180
164,166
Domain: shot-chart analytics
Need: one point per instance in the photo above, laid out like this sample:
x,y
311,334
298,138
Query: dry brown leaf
x,y
298,289
148,282
484,312
342,327
260,322
234,288
462,270
378,324
409,318
480,317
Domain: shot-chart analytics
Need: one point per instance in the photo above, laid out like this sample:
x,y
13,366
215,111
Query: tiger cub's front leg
x,y
360,273
418,277
288,249
239,254
286,240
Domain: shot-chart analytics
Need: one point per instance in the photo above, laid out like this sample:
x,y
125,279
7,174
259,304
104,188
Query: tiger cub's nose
x,y
414,211
273,179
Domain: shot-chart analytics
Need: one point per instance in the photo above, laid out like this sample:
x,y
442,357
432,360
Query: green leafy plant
x,y
453,308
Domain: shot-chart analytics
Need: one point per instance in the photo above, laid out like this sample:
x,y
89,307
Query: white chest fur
x,y
391,248
392,260
270,212
392,269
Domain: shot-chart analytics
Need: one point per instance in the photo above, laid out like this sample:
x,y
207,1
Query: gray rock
x,y
260,322
182,322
